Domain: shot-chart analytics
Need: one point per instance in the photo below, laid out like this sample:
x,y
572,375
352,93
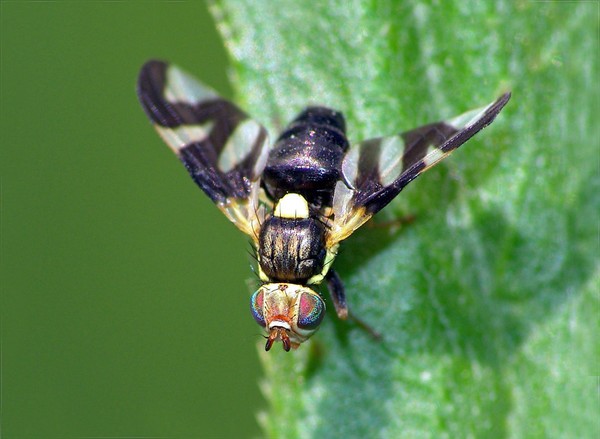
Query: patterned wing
x,y
223,149
376,170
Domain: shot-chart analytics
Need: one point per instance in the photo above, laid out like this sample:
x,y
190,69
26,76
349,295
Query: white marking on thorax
x,y
261,273
292,206
329,258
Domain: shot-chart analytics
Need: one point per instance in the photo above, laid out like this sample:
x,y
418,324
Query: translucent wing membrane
x,y
223,149
376,170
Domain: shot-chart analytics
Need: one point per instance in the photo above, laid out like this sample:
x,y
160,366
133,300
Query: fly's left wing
x,y
376,170
224,150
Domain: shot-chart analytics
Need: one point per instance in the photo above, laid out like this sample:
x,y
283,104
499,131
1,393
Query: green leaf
x,y
488,302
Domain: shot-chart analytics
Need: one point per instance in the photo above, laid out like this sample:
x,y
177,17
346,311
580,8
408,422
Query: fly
x,y
298,198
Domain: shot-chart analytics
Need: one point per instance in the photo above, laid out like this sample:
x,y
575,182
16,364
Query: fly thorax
x,y
291,243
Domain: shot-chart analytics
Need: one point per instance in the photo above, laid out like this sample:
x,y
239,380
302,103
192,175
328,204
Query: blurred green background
x,y
124,303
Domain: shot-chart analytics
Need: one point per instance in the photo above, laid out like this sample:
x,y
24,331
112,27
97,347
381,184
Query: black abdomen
x,y
291,250
307,157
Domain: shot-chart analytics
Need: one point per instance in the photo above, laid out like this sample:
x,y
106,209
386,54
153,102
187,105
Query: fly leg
x,y
336,289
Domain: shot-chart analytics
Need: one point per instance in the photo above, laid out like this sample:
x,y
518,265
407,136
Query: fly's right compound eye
x,y
310,311
256,306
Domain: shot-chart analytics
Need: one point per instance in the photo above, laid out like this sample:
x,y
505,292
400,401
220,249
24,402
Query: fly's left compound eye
x,y
310,312
256,306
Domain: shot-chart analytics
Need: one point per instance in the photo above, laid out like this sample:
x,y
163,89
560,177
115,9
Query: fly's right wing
x,y
224,150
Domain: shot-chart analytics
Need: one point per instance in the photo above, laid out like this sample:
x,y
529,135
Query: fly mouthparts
x,y
278,334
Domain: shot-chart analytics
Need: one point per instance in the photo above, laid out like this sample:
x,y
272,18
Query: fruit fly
x,y
299,197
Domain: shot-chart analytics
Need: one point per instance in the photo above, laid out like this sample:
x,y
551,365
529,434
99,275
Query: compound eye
x,y
310,312
256,306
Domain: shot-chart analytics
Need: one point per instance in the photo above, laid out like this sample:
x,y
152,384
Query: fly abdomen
x,y
307,157
291,249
